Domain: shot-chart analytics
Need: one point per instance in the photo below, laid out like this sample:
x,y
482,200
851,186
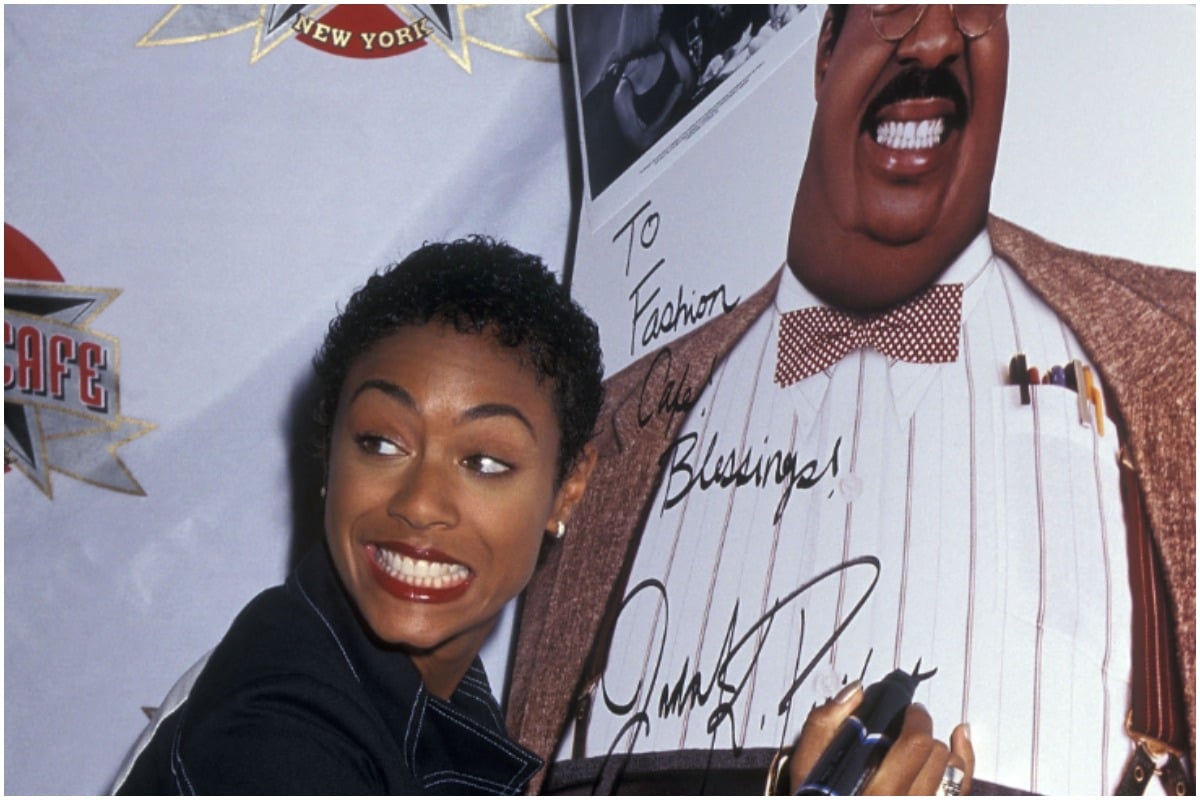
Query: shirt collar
x,y
447,743
966,269
908,381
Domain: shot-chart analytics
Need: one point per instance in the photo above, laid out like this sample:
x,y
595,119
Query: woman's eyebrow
x,y
482,411
387,387
487,410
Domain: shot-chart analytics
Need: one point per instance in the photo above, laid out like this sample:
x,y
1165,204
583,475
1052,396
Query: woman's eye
x,y
486,465
378,445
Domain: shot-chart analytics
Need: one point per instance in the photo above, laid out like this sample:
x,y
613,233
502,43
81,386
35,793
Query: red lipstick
x,y
400,570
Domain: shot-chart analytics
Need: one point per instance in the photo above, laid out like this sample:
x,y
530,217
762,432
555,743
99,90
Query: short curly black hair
x,y
837,14
478,285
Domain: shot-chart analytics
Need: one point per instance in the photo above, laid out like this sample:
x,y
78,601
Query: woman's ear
x,y
572,489
825,43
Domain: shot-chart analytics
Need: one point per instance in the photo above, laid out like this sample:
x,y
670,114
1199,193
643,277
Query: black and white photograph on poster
x,y
642,69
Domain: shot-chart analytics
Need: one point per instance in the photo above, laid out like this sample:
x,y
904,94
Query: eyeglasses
x,y
893,22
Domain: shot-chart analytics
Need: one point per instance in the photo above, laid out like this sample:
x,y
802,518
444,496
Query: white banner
x,y
193,191
214,181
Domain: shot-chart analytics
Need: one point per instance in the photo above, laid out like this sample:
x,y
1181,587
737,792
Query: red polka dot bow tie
x,y
923,330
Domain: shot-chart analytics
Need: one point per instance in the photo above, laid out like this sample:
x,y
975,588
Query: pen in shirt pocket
x,y
1075,376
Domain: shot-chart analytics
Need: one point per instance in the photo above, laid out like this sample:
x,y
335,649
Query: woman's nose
x,y
424,497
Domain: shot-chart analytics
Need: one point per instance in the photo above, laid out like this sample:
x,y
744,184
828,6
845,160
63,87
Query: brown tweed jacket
x,y
1138,325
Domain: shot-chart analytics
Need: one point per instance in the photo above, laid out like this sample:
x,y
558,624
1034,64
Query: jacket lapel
x,y
584,576
1127,316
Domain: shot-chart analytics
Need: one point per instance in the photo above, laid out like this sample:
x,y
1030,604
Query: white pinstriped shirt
x,y
980,536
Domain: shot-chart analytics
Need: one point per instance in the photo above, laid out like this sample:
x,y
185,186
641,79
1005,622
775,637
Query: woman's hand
x,y
915,763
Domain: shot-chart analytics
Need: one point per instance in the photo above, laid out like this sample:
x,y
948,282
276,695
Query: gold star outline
x,y
493,28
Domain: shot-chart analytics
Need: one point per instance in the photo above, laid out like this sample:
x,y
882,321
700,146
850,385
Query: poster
x,y
782,543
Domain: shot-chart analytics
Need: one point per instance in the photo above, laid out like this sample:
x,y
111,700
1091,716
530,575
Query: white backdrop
x,y
236,187
234,204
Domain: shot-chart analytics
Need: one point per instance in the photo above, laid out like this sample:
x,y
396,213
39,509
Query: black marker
x,y
863,740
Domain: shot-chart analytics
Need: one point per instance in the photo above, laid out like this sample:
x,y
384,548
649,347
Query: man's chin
x,y
896,230
918,218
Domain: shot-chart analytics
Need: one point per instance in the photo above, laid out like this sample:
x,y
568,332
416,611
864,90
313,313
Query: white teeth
x,y
910,135
418,572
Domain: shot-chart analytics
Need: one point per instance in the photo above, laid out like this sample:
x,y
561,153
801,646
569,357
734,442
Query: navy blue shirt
x,y
300,698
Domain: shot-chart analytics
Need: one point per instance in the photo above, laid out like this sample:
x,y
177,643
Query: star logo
x,y
61,400
368,31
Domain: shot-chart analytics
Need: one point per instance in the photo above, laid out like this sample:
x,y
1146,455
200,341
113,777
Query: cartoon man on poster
x,y
933,437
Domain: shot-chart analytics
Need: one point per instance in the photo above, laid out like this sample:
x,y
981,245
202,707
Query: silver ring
x,y
952,781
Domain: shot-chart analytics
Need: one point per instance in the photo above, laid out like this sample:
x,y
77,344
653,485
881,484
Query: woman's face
x,y
442,462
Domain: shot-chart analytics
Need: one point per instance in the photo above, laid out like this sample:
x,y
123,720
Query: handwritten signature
x,y
724,685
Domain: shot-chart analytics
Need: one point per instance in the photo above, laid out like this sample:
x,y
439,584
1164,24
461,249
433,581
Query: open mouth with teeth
x,y
425,576
898,135
917,110
912,126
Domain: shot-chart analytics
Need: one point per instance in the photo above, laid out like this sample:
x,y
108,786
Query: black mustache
x,y
916,83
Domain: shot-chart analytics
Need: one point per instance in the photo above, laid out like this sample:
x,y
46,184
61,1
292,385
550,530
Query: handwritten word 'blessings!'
x,y
688,470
